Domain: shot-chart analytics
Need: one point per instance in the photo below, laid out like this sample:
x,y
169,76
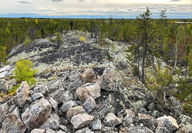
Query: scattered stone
x,y
38,131
84,130
13,123
50,131
67,96
66,106
40,89
89,104
127,116
185,124
87,90
64,128
21,94
138,129
109,80
60,131
96,125
147,120
167,121
53,122
139,104
81,120
36,114
74,111
54,104
111,120
87,76
37,96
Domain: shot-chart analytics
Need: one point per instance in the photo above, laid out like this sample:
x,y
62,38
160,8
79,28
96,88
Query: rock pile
x,y
95,99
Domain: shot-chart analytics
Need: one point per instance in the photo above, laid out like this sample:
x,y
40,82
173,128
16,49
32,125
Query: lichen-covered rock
x,y
89,104
13,123
66,106
87,90
109,80
127,116
81,120
138,129
21,94
74,111
185,124
36,114
168,122
111,120
3,111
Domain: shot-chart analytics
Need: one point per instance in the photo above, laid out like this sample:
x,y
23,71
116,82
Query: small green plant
x,y
58,38
23,72
158,80
27,41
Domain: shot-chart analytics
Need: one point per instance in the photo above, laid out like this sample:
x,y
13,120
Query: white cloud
x,y
93,7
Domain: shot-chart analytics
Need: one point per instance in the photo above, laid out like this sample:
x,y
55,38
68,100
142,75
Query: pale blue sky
x,y
94,8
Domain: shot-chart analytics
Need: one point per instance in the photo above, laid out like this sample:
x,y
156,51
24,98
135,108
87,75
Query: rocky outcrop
x,y
83,87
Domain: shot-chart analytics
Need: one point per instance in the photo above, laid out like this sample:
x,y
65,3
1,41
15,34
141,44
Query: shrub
x,y
27,41
159,80
23,72
58,38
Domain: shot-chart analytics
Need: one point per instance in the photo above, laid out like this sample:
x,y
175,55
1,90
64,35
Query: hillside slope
x,y
83,87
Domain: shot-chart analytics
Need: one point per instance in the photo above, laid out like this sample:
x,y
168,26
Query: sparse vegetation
x,y
23,72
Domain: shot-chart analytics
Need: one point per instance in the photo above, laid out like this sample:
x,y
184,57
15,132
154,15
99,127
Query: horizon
x,y
94,9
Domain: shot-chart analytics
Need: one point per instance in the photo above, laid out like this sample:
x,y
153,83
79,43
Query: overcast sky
x,y
94,8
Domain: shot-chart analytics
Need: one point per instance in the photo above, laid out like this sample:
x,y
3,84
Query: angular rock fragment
x,y
111,120
81,120
13,123
74,111
87,90
89,104
36,114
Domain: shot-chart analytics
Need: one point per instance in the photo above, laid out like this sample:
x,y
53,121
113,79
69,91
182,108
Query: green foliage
x,y
23,72
27,41
58,38
158,80
3,54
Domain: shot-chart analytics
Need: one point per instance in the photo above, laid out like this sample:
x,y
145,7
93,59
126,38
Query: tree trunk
x,y
143,66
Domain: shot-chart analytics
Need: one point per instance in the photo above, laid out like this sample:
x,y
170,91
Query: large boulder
x,y
81,120
36,114
87,90
13,123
